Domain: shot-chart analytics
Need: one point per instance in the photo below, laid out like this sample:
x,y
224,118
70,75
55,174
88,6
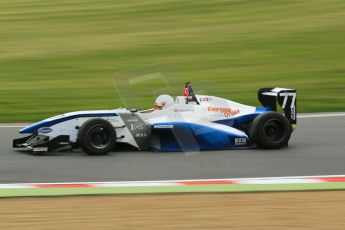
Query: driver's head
x,y
163,101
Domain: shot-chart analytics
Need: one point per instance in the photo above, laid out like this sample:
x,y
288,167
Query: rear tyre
x,y
97,137
271,130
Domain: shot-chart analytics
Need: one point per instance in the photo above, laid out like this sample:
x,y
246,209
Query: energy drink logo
x,y
207,99
227,112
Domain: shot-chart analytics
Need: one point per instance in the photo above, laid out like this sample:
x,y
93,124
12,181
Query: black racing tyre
x,y
271,130
97,137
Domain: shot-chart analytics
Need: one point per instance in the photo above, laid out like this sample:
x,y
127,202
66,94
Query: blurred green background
x,y
59,56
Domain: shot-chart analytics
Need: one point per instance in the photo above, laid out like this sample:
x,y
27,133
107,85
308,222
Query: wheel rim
x,y
273,130
99,137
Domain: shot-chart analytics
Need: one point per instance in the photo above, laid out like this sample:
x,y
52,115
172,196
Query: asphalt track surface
x,y
317,147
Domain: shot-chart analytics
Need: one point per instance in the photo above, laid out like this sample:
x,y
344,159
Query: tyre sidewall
x,y
85,144
258,134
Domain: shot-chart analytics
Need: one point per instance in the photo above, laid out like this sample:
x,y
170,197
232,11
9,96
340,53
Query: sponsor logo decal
x,y
136,126
44,130
205,99
40,149
293,113
163,126
133,120
113,119
240,141
227,112
183,110
141,135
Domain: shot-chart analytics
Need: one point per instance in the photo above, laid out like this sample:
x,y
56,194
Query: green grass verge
x,y
169,189
58,56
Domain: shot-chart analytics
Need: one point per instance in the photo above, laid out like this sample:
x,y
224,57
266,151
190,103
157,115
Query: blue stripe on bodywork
x,y
263,109
183,136
189,136
48,123
234,122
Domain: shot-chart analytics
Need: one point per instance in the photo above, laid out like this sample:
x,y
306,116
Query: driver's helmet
x,y
163,101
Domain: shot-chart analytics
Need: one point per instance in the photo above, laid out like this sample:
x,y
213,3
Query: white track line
x,y
321,115
187,180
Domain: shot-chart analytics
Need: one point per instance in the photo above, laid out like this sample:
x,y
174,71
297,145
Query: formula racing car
x,y
187,123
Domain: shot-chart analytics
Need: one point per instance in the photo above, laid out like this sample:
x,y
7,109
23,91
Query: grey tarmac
x,y
317,147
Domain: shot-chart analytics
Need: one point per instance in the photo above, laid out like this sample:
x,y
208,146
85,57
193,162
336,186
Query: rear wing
x,y
286,99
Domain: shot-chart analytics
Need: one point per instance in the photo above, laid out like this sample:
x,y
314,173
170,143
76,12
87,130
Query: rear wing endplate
x,y
286,99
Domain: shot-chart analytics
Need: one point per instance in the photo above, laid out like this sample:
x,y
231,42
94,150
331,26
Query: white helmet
x,y
163,101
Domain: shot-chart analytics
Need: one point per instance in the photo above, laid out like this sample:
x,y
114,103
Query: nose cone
x,y
34,127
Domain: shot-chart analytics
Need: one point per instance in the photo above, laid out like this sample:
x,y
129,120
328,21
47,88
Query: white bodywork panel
x,y
208,110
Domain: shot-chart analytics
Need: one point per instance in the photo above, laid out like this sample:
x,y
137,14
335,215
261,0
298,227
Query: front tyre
x,y
271,130
97,137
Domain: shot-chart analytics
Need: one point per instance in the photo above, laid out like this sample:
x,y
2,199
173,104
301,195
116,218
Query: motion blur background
x,y
59,56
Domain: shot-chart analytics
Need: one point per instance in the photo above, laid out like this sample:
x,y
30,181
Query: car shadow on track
x,y
77,152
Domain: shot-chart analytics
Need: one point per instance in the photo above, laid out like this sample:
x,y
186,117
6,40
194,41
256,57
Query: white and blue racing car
x,y
188,123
